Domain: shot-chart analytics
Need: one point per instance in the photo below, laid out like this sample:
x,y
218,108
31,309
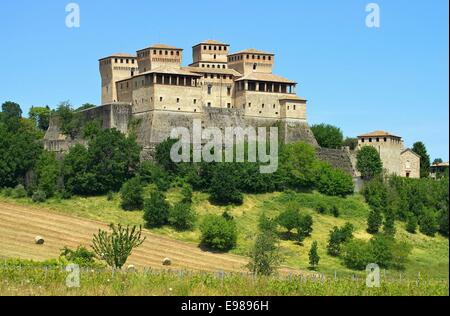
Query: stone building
x,y
396,158
154,92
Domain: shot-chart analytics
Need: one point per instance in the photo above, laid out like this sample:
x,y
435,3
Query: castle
x,y
152,93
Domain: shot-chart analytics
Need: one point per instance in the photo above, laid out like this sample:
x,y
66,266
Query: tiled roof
x,y
260,76
214,71
125,55
252,51
379,134
212,42
161,46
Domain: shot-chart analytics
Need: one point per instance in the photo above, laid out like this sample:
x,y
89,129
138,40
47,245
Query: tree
x,y
115,248
411,224
328,136
334,182
369,162
443,222
420,149
218,233
437,161
40,116
182,216
48,172
265,255
162,156
389,222
305,227
132,195
156,210
151,173
298,165
314,257
351,142
339,236
69,120
85,106
224,189
11,115
374,221
289,219
428,223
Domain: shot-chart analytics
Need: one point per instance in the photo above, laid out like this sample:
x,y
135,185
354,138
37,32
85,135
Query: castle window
x,y
378,140
178,53
254,66
248,56
223,66
220,47
209,89
207,66
132,61
264,57
249,105
289,107
160,99
178,100
195,101
154,52
270,57
121,61
209,104
363,140
295,107
160,52
262,106
259,57
214,66
228,91
127,61
203,65
370,140
166,52
224,48
274,106
204,47
215,47
385,139
171,53
210,48
215,56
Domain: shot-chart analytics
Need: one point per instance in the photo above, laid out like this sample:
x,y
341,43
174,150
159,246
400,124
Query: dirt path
x,y
19,225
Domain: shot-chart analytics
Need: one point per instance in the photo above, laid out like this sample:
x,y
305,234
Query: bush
x,y
132,195
322,208
19,192
265,255
335,211
428,223
151,173
356,254
334,182
218,233
80,256
328,136
443,223
182,216
289,219
374,221
224,185
7,192
411,224
314,257
156,210
39,196
110,196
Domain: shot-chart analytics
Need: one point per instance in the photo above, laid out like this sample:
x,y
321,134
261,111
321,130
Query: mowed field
x,y
19,225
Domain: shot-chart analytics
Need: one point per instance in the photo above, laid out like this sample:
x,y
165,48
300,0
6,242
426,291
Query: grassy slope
x,y
429,256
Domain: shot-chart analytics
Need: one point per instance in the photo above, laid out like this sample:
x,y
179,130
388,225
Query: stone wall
x,y
337,158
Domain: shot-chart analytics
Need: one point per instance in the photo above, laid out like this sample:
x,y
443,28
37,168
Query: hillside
x,y
429,255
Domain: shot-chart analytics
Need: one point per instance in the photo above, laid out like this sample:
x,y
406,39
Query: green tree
x,y
411,224
48,172
437,161
350,142
314,257
289,219
182,216
224,188
420,149
115,248
162,156
328,136
11,115
151,173
428,223
298,165
132,195
374,221
85,106
369,162
334,182
156,210
304,227
218,233
339,236
69,120
40,116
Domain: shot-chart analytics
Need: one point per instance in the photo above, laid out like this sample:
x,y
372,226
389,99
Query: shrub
x,y
8,192
335,211
328,136
321,208
289,219
132,195
443,223
110,196
218,233
39,196
115,248
182,216
156,210
19,192
334,182
388,253
265,255
224,189
80,256
314,257
374,221
356,254
428,223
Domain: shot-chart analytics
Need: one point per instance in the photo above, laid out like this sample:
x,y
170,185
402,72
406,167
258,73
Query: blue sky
x,y
393,78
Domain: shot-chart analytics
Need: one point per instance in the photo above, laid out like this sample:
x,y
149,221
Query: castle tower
x,y
251,60
210,54
159,55
112,69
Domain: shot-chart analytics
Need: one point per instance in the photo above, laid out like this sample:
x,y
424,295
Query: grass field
x,y
52,282
429,256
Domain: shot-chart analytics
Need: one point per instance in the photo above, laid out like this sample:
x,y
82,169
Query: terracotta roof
x,y
126,55
252,51
212,42
442,164
260,76
215,71
170,70
161,46
293,97
379,134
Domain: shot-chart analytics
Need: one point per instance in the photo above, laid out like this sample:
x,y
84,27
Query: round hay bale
x,y
39,240
167,262
131,268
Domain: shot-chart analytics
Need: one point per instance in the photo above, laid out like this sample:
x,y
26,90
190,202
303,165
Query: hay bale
x,y
167,262
39,240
